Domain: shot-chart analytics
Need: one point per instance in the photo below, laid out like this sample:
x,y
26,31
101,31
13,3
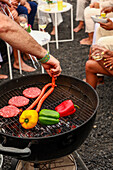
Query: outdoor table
x,y
42,38
54,10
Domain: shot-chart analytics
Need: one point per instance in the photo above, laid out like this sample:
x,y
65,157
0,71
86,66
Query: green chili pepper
x,y
48,117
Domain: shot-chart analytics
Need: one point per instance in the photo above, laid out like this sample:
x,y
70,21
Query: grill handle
x,y
15,151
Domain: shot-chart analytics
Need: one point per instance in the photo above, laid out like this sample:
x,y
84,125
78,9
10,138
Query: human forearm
x,y
108,25
27,5
19,38
107,9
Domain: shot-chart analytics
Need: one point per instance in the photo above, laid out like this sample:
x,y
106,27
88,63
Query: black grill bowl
x,y
52,145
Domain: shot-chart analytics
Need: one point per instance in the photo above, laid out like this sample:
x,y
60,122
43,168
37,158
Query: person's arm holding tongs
x,y
18,38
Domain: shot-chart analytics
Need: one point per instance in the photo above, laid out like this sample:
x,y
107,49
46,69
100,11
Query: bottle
x,y
60,5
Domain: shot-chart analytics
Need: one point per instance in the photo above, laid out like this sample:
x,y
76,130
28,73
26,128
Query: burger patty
x,y
18,101
9,111
32,92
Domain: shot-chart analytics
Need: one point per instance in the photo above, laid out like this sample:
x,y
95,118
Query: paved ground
x,y
97,149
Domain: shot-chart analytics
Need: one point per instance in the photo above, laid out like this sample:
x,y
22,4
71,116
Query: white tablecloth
x,y
41,37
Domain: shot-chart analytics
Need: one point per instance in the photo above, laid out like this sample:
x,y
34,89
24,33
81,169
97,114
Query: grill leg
x,y
1,161
80,161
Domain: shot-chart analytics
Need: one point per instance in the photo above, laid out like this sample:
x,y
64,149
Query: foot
x,y
78,28
26,57
86,41
2,76
53,31
24,67
100,80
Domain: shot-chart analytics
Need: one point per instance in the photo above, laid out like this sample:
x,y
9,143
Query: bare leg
x,y
26,56
92,68
3,76
53,31
24,66
100,80
79,27
87,41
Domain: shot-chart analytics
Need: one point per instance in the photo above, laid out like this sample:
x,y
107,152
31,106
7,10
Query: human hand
x,y
108,25
107,9
28,7
22,2
107,55
96,48
97,52
108,60
95,5
91,5
52,66
14,14
14,3
6,2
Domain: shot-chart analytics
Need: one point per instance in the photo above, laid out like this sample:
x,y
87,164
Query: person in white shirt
x,y
104,49
93,9
81,5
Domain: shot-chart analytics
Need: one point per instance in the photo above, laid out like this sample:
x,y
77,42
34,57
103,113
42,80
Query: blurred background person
x,y
104,47
25,43
30,19
93,9
49,17
28,8
81,5
103,66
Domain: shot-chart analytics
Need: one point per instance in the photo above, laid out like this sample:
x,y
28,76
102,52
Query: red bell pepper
x,y
66,108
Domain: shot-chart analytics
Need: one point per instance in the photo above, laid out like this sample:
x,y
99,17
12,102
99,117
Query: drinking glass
x,y
64,3
23,20
60,5
42,23
97,54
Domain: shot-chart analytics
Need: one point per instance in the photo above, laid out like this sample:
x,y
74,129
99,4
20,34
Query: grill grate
x,y
12,127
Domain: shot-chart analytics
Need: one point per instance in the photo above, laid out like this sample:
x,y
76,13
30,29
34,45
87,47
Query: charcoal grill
x,y
48,142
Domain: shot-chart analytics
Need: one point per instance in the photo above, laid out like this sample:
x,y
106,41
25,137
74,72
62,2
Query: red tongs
x,y
41,98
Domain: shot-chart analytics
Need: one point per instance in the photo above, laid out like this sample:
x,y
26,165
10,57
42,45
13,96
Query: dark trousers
x,y
23,10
